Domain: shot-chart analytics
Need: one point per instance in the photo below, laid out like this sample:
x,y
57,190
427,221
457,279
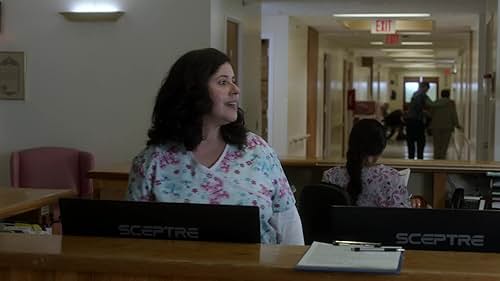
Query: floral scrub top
x,y
252,176
381,184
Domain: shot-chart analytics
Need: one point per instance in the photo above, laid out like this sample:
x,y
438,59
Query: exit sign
x,y
383,26
391,39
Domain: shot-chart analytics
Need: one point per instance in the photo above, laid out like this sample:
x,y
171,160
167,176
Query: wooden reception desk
x,y
57,258
15,201
111,182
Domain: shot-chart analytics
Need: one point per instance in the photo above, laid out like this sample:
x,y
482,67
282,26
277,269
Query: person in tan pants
x,y
444,121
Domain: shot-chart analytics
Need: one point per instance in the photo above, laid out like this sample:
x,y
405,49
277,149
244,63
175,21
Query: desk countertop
x,y
180,260
14,201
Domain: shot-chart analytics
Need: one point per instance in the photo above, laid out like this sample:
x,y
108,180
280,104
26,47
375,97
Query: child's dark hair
x,y
367,138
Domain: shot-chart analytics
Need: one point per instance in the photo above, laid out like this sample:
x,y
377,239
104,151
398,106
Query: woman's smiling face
x,y
224,94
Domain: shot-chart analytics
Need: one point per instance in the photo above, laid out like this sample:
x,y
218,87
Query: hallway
x,y
450,45
398,149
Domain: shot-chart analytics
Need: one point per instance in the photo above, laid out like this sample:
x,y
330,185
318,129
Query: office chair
x,y
52,167
314,205
457,199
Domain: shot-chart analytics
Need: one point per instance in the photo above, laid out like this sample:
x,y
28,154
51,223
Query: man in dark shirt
x,y
415,126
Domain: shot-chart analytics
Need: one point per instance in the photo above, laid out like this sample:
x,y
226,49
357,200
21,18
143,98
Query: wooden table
x,y
111,183
15,201
57,258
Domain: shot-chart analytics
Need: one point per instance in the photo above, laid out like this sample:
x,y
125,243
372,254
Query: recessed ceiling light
x,y
414,60
414,33
433,60
407,50
410,55
421,65
376,43
416,43
398,15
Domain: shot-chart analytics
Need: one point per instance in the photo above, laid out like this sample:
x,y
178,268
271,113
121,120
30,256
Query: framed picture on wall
x,y
12,75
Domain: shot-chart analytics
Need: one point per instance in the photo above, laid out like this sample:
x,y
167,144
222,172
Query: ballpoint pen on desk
x,y
378,249
355,243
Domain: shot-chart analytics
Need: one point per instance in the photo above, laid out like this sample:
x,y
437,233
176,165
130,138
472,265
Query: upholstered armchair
x,y
52,167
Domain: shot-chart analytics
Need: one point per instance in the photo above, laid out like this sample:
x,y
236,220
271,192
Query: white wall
x,y
335,102
381,88
248,18
361,80
92,85
275,28
297,86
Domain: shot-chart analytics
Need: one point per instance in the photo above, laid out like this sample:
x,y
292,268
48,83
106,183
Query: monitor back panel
x,y
423,229
154,220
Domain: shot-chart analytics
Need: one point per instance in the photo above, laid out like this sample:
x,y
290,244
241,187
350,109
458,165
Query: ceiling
x,y
451,24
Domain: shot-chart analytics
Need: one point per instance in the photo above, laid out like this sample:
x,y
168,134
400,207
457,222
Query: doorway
x,y
232,47
411,86
264,84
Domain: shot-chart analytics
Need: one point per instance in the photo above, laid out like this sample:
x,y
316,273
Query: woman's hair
x,y
183,100
367,138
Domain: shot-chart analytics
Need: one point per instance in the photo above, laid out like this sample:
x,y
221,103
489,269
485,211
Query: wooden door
x,y
232,44
264,84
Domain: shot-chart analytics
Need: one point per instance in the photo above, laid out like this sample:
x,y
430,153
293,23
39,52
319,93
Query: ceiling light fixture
x,y
416,43
407,50
410,55
429,60
414,33
384,15
376,43
414,60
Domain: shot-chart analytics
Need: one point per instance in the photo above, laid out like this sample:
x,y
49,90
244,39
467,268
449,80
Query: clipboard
x,y
345,258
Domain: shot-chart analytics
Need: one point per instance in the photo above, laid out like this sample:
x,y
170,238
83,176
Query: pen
x,y
355,243
377,249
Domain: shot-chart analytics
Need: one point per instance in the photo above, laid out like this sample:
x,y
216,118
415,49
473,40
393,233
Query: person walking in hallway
x,y
415,120
444,121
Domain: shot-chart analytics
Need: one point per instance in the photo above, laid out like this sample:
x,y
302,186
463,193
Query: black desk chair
x,y
314,206
457,199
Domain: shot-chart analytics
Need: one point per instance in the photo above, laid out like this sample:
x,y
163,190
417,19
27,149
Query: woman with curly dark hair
x,y
199,150
368,183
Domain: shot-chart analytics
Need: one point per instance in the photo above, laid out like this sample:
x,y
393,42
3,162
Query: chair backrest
x,y
315,204
52,167
457,199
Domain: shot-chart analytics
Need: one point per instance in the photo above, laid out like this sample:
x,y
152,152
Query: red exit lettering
x,y
383,25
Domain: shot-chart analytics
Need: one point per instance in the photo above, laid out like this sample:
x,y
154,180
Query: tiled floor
x,y
398,149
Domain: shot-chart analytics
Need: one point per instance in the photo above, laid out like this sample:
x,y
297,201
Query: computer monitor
x,y
422,229
155,220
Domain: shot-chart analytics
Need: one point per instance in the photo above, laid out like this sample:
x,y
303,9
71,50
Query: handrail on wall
x,y
298,139
459,151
